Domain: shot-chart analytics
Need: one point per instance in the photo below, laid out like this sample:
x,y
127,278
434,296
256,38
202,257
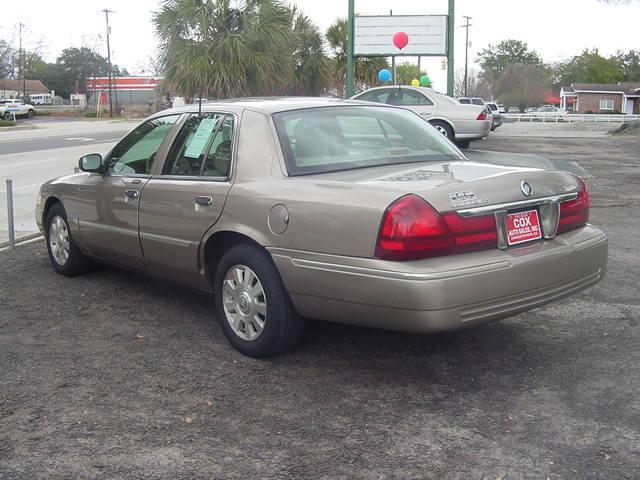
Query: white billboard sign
x,y
374,35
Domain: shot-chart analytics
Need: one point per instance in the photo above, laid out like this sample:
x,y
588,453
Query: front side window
x,y
325,139
410,97
136,152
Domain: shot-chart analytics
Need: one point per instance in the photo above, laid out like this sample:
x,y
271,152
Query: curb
x,y
22,241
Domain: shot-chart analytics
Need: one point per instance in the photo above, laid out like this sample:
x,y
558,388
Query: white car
x,y
461,124
11,107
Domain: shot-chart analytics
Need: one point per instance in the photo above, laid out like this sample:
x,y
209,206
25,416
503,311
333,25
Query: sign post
x,y
350,87
450,47
432,35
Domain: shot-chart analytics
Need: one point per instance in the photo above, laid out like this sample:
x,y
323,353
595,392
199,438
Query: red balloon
x,y
401,40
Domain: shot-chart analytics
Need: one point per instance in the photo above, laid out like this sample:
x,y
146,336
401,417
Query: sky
x,y
556,29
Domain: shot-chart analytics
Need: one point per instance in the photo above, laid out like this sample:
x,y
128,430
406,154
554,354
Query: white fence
x,y
569,117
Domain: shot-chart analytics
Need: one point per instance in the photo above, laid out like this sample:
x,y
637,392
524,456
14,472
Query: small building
x,y
14,88
621,97
125,91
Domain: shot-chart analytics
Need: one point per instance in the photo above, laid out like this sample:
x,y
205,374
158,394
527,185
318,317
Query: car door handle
x,y
131,193
203,200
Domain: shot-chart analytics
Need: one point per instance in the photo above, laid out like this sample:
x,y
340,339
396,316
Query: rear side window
x,y
202,147
409,97
378,96
326,139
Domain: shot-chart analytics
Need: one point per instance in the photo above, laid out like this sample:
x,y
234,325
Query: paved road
x,y
31,156
37,143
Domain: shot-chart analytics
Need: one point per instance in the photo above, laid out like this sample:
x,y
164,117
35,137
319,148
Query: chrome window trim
x,y
484,210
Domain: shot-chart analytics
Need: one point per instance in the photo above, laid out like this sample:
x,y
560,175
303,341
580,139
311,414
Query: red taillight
x,y
413,229
481,116
472,233
574,213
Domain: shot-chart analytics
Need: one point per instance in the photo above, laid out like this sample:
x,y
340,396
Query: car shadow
x,y
498,355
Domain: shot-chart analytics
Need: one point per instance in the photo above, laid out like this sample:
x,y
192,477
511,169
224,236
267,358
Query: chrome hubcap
x,y
59,240
244,301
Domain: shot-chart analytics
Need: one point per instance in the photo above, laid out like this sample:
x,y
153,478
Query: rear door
x,y
108,203
178,205
413,100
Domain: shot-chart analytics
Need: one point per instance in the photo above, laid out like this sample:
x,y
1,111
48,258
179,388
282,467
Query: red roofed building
x,y
125,90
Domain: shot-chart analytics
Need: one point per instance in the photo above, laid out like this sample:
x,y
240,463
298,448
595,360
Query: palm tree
x,y
226,48
366,68
220,48
310,62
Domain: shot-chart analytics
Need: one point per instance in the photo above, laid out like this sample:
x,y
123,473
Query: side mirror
x,y
91,163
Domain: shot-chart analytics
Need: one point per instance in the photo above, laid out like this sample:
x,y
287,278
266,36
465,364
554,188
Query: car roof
x,y
268,105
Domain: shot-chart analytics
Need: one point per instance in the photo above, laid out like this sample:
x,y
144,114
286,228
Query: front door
x,y
629,106
108,203
178,206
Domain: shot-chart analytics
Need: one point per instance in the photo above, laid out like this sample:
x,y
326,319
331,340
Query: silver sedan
x,y
460,123
337,210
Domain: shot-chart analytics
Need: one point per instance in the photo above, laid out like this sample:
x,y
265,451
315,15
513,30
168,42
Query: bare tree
x,y
477,86
522,85
152,66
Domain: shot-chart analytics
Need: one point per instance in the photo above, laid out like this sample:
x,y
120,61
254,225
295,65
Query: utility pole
x,y
106,16
450,47
466,54
21,60
350,87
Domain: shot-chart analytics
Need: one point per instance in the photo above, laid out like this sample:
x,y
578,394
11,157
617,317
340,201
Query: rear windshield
x,y
328,139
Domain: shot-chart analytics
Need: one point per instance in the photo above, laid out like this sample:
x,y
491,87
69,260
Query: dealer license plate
x,y
523,227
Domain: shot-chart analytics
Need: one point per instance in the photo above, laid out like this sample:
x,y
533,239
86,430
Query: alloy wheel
x,y
244,302
59,240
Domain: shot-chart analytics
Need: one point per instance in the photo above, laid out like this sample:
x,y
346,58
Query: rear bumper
x,y
442,293
472,129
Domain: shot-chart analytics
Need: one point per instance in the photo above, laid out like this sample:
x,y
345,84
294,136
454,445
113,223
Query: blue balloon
x,y
384,75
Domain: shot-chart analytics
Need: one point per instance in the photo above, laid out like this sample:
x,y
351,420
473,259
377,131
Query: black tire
x,y
30,114
8,117
444,128
282,325
76,263
463,144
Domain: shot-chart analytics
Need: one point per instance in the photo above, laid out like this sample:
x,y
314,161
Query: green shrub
x,y
5,123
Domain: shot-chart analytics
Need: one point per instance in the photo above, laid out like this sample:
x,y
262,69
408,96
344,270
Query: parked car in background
x,y
513,110
501,108
461,124
336,210
471,100
496,117
11,107
549,111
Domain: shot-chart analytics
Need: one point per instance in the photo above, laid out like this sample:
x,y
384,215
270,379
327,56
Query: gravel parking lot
x,y
112,375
